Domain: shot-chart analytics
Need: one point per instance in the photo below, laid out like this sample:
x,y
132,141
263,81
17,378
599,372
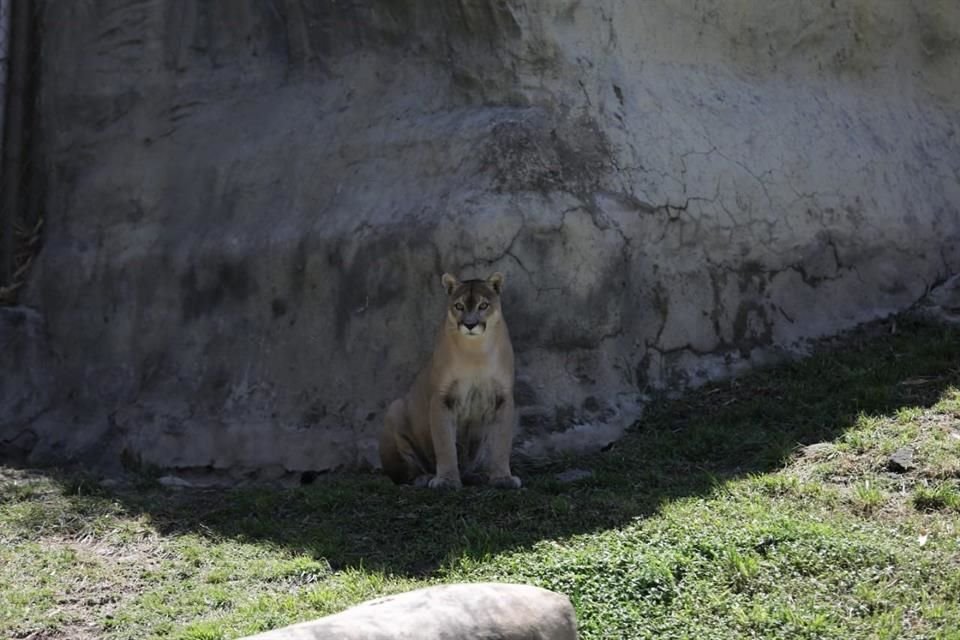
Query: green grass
x,y
941,497
761,507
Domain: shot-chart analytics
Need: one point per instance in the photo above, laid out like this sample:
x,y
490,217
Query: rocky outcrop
x,y
250,205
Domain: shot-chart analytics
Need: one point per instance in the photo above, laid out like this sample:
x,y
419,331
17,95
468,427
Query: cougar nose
x,y
470,325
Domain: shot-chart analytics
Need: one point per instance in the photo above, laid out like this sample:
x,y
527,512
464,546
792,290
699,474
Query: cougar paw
x,y
506,482
444,483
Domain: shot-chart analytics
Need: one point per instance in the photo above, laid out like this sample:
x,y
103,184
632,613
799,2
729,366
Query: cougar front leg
x,y
443,431
501,445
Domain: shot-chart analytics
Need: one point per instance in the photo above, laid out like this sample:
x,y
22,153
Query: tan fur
x,y
456,423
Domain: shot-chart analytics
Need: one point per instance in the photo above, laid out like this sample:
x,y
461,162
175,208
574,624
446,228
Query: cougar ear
x,y
449,283
496,281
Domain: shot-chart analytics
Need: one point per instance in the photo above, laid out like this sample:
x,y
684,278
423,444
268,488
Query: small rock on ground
x,y
574,475
174,481
901,460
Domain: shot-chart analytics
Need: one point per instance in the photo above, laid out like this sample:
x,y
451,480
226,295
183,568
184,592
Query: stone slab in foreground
x,y
503,611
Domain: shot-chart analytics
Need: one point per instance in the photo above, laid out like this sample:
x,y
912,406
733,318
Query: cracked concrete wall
x,y
251,204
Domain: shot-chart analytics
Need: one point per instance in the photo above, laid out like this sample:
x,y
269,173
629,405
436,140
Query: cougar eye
x,y
483,305
458,306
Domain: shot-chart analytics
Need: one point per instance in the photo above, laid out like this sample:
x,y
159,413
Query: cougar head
x,y
473,306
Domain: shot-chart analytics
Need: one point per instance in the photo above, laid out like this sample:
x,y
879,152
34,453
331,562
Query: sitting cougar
x,y
456,424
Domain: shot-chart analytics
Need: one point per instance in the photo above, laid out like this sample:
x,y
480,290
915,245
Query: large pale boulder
x,y
446,612
249,206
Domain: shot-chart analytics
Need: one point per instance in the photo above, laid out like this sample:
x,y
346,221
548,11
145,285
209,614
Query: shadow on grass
x,y
680,448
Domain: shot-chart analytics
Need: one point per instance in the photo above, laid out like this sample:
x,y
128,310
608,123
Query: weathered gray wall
x,y
251,204
4,48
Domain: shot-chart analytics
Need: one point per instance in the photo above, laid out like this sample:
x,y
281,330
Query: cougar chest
x,y
474,402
